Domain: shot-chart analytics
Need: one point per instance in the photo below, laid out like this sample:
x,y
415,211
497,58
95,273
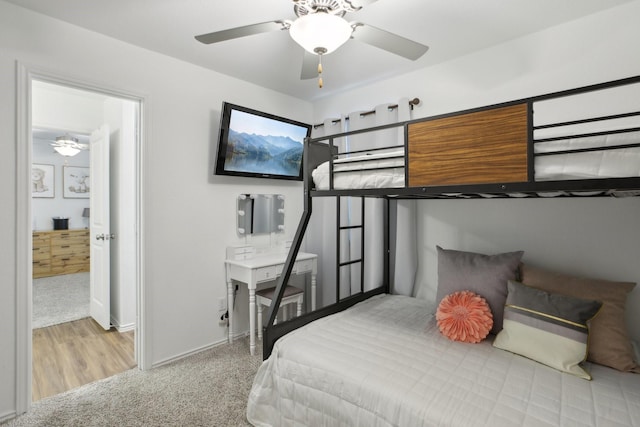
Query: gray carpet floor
x,y
60,299
207,389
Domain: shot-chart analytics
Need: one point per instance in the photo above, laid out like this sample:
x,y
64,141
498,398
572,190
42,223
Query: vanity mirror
x,y
260,214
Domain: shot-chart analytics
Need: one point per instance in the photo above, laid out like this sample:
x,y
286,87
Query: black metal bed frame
x,y
318,150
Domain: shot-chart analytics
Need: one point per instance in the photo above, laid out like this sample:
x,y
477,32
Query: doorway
x,y
125,111
60,215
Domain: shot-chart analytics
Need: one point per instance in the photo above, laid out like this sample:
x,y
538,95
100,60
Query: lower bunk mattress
x,y
384,362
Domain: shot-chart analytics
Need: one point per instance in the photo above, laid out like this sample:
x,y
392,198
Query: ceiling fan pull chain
x,y
320,83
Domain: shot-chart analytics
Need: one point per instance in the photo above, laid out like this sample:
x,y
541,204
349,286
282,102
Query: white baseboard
x,y
243,334
122,328
125,328
189,353
203,348
8,416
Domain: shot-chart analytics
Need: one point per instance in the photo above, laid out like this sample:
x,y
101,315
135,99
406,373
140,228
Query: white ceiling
x,y
57,95
47,136
450,28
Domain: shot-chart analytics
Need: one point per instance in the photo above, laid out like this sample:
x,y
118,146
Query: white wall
x,y
595,237
587,237
45,208
188,213
67,109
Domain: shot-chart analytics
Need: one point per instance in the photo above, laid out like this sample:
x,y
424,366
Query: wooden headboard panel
x,y
480,147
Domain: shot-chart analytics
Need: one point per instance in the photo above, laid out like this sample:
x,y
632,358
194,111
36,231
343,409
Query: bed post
x,y
386,272
531,173
269,338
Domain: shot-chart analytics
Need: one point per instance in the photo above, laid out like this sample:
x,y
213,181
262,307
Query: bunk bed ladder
x,y
272,331
348,261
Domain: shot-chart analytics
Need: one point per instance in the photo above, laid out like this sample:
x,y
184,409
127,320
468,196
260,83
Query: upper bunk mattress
x,y
384,363
384,170
612,161
387,170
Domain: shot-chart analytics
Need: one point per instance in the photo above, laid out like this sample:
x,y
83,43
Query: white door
x,y
100,235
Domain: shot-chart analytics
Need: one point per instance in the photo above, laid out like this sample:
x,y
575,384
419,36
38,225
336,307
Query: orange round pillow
x,y
464,316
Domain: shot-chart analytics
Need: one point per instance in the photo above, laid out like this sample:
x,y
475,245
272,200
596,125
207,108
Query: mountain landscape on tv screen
x,y
263,154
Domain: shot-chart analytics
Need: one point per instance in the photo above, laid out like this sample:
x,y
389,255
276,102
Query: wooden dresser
x,y
60,252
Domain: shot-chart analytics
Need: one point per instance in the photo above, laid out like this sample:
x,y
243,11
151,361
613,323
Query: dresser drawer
x,y
69,269
42,265
70,259
70,239
240,253
279,269
41,253
264,274
78,249
303,266
41,241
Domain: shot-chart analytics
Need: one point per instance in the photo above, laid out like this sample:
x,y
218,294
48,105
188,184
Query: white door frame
x,y
25,75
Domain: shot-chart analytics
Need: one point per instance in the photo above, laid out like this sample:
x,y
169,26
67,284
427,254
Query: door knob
x,y
110,236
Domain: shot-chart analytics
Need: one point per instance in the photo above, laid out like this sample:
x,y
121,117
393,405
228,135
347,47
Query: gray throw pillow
x,y
486,275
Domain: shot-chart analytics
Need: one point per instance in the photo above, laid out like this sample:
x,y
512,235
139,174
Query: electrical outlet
x,y
224,319
222,304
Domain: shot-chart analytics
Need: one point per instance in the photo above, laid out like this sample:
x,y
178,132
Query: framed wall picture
x,y
75,182
43,180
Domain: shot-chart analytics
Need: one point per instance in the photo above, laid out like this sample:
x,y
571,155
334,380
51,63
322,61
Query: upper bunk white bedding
x,y
387,170
611,162
384,363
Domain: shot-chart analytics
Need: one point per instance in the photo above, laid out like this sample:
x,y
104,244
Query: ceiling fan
x,y
68,146
320,28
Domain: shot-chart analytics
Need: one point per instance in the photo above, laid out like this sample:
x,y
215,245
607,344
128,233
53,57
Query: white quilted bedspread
x,y
384,363
363,174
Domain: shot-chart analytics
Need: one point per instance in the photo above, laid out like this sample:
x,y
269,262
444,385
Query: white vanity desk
x,y
244,265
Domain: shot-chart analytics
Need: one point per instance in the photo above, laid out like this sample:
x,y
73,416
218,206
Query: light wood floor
x,y
76,353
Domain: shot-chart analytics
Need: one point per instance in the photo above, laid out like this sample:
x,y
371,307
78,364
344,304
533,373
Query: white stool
x,y
291,295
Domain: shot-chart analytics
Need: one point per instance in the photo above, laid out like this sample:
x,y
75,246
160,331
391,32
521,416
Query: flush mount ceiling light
x,y
68,146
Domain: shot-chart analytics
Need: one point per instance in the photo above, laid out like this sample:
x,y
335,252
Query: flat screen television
x,y
257,144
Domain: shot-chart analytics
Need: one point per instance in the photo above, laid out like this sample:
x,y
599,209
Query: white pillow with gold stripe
x,y
548,328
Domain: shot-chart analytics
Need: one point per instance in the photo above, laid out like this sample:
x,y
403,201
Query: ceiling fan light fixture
x,y
66,150
67,146
320,32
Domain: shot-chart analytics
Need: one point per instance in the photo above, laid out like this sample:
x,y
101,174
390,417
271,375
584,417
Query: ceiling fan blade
x,y
388,41
309,66
235,33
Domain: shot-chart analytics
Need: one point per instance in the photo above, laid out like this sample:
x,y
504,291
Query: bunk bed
x,y
378,359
